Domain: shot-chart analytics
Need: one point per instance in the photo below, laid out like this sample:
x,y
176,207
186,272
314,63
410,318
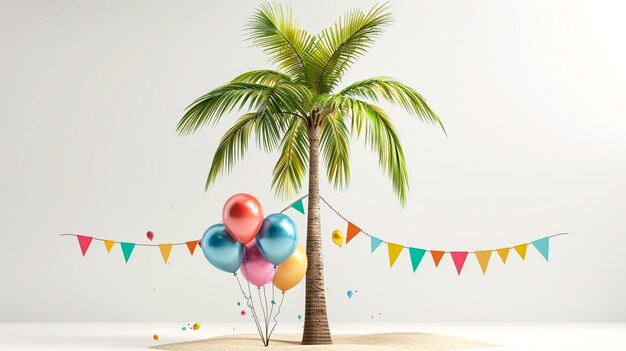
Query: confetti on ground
x,y
184,328
243,312
273,302
155,337
299,317
238,303
196,326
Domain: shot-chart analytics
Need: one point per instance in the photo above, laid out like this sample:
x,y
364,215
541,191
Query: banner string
x,y
287,208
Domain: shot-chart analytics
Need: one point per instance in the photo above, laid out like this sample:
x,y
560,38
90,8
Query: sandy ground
x,y
350,342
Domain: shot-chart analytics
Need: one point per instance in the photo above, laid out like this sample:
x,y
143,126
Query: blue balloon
x,y
278,237
350,293
221,250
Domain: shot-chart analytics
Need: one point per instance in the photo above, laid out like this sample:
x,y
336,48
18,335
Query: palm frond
x,y
209,108
263,76
335,149
384,88
339,46
232,147
380,136
292,165
274,30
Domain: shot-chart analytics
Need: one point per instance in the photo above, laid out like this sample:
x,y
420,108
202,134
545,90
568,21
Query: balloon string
x,y
264,314
277,313
267,319
250,304
256,316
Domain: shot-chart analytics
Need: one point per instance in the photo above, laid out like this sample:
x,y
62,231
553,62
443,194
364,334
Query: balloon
x,y
221,250
291,272
338,237
255,268
350,293
277,238
150,235
243,216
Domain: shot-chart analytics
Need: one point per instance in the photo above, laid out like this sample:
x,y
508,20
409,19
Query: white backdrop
x,y
531,94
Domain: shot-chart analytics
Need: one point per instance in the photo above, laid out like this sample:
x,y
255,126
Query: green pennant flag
x,y
127,249
416,256
299,206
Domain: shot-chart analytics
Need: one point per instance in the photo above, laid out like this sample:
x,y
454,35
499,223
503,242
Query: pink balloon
x,y
243,217
255,268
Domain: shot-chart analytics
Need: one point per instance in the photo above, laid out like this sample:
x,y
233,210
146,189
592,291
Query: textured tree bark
x,y
316,329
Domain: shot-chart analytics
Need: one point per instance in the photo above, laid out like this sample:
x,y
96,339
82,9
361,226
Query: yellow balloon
x,y
338,237
291,272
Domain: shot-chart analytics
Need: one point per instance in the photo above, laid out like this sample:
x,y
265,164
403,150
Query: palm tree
x,y
298,110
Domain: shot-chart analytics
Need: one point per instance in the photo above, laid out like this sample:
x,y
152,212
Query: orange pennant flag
x,y
483,259
437,255
109,245
191,245
352,231
394,251
504,253
165,251
521,250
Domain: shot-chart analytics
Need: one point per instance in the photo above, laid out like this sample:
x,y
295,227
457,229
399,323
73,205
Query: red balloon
x,y
243,217
150,235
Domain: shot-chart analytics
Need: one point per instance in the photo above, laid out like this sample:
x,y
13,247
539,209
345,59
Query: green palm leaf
x,y
291,167
384,88
273,29
339,46
335,149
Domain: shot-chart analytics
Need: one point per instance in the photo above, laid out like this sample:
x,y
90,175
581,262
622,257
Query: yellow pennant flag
x,y
109,245
394,252
483,259
521,250
504,253
165,251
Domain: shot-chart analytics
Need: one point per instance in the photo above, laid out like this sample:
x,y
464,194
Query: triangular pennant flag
x,y
109,245
543,246
394,252
504,253
521,250
127,249
375,243
191,245
352,231
437,255
84,242
483,259
299,206
459,259
165,251
416,256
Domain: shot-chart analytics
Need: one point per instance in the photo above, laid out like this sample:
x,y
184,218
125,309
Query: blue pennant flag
x,y
375,243
416,256
543,246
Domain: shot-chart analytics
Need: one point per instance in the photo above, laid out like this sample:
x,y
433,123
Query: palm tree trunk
x,y
316,329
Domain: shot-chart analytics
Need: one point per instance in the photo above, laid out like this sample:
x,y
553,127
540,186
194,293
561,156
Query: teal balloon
x,y
350,293
221,250
278,237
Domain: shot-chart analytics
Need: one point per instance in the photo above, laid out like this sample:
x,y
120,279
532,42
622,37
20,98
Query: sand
x,y
367,342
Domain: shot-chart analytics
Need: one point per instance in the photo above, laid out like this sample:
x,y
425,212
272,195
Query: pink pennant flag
x,y
84,242
459,259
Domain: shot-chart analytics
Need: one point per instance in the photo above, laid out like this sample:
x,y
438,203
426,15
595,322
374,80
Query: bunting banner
x,y
394,250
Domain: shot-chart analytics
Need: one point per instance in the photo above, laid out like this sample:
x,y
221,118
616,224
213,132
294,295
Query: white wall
x,y
531,94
